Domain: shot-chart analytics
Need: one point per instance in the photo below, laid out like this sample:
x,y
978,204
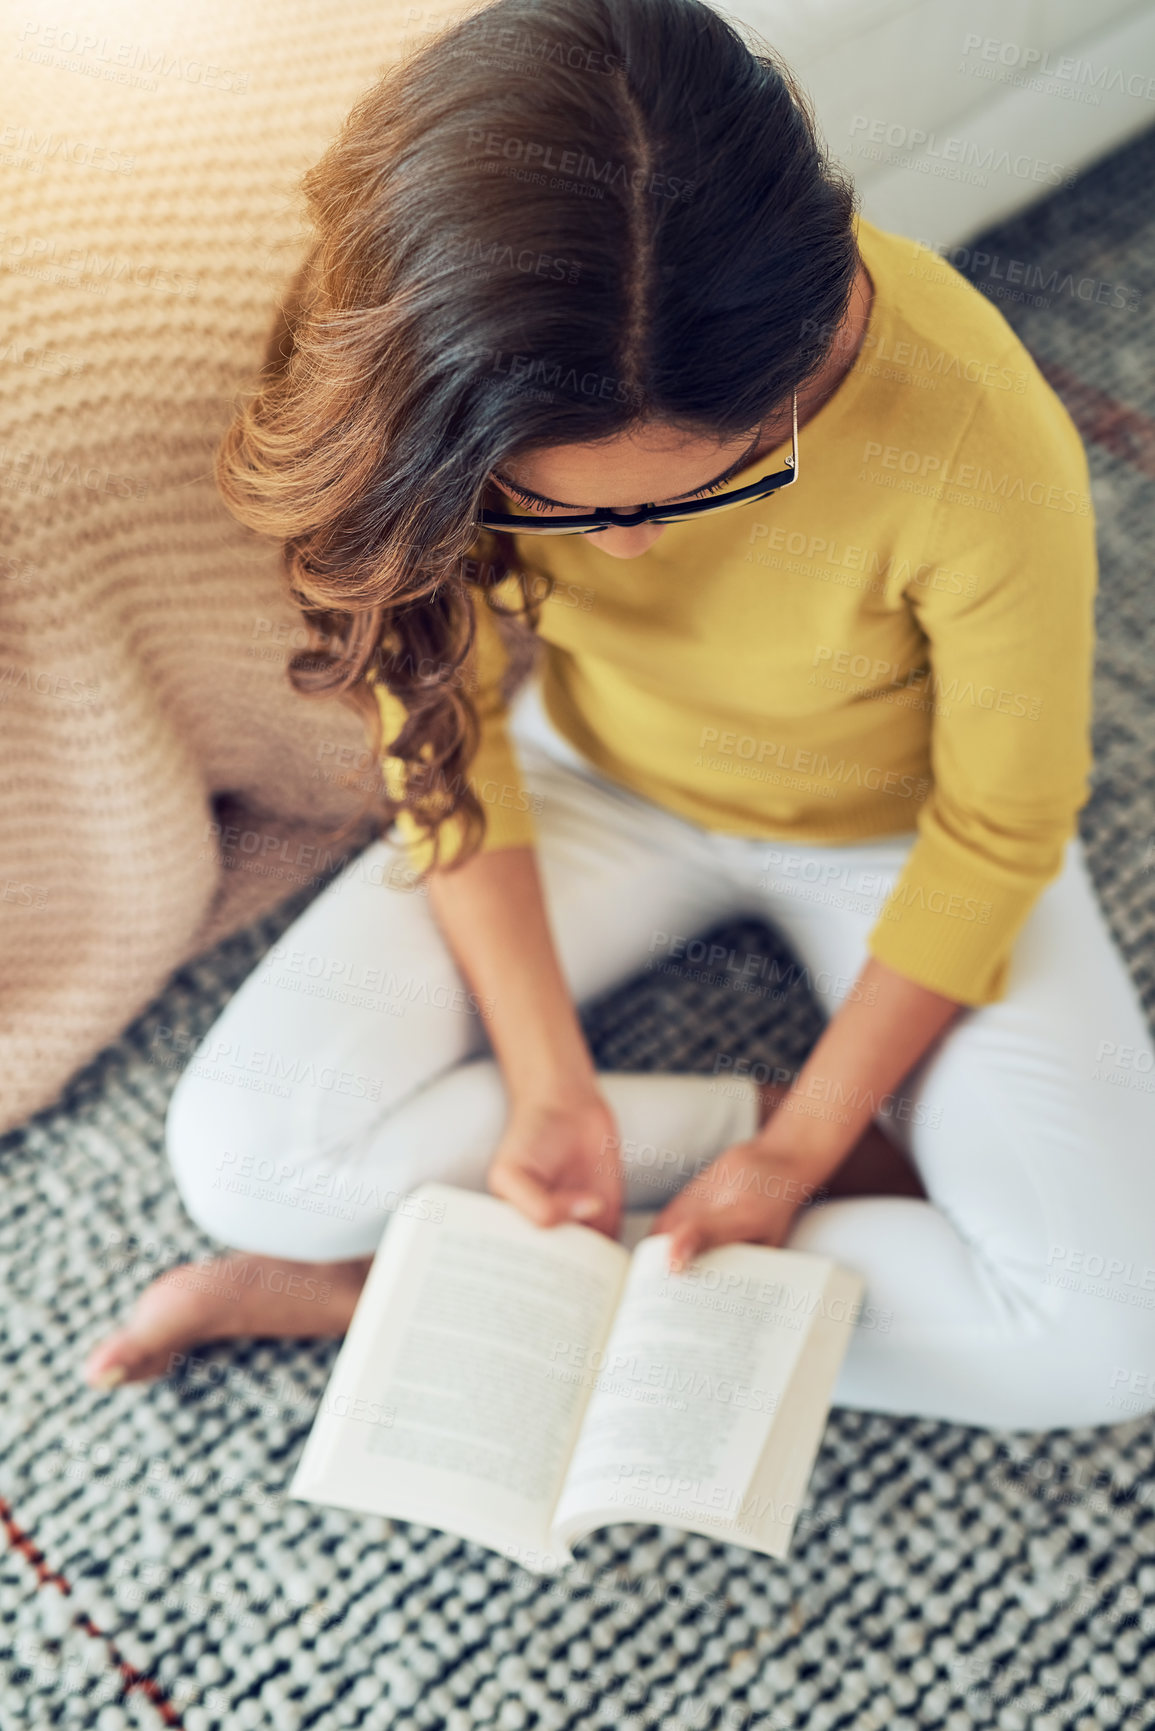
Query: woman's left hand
x,y
749,1194
753,1190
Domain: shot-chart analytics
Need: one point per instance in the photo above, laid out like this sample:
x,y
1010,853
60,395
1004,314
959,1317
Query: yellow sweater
x,y
902,638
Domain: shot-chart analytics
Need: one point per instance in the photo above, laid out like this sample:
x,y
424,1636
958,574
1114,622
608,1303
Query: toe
x,y
120,1358
165,1319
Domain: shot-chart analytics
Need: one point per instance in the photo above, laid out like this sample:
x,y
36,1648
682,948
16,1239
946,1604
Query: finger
x,y
534,1198
581,1205
608,1221
528,1194
685,1243
673,1215
612,1198
611,1221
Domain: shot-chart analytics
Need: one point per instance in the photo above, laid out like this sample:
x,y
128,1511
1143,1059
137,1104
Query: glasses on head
x,y
605,517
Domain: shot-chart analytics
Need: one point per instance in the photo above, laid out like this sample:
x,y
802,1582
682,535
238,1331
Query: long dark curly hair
x,y
545,194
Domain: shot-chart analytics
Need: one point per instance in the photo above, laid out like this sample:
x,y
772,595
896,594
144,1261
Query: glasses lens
x,y
530,526
723,502
559,526
519,525
524,525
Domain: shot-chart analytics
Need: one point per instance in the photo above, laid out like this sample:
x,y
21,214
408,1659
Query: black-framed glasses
x,y
605,517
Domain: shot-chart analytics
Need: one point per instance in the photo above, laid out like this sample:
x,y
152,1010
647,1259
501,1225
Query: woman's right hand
x,y
559,1160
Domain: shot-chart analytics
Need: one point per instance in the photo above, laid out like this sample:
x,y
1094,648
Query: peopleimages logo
x,y
972,477
963,153
121,62
565,380
1039,63
1031,278
539,157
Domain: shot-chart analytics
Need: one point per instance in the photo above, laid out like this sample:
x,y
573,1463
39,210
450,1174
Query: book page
x,y
768,1514
463,1337
692,1375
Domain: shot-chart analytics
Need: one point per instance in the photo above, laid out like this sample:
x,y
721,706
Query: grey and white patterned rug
x,y
155,1572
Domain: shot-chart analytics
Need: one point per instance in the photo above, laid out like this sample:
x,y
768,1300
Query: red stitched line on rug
x,y
1126,433
133,1679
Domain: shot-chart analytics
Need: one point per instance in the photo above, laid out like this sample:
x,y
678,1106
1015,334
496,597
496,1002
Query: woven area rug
x,y
155,1572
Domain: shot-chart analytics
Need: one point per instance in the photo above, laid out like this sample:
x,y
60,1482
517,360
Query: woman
x,y
570,256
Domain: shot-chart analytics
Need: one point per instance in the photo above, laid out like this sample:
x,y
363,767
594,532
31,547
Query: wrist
x,y
562,1094
542,1051
561,1078
807,1137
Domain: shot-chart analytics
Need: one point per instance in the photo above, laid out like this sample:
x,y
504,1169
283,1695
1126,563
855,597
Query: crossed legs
x,y
1018,1155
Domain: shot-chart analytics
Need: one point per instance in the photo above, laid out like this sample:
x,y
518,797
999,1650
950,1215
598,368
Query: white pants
x,y
1020,1295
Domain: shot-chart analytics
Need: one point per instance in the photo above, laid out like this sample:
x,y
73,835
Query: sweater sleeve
x,y
494,773
1010,651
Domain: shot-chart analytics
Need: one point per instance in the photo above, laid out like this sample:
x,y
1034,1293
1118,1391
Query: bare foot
x,y
874,1166
235,1295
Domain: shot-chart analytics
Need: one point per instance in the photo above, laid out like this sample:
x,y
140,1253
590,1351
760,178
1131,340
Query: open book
x,y
521,1386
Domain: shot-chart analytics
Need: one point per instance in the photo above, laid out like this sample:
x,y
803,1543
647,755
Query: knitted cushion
x,y
150,224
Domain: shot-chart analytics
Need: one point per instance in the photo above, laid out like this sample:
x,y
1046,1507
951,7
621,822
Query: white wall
x,y
952,114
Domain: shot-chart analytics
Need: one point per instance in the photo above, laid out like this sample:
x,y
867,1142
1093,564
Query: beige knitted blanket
x,y
162,784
